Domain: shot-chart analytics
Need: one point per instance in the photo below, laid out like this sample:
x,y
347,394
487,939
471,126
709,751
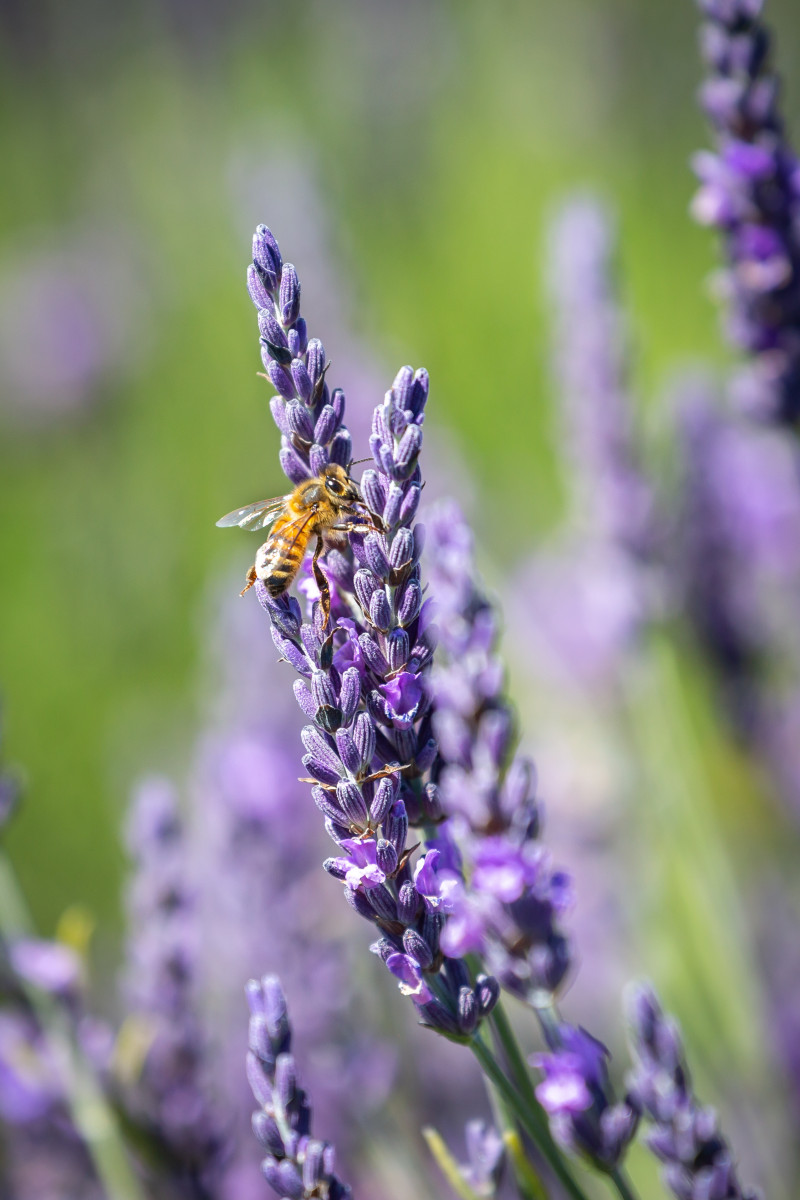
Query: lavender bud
x,y
382,801
373,492
322,689
407,452
257,287
419,393
267,255
292,653
384,948
352,804
270,329
285,1178
325,426
317,459
402,549
366,585
320,771
409,603
337,867
364,738
300,335
380,613
259,1041
468,1013
383,903
373,654
313,1166
279,377
266,1130
394,501
302,382
289,300
341,448
276,1013
348,752
375,553
437,1016
315,359
426,756
305,699
317,746
336,831
395,827
299,421
432,924
416,946
359,902
410,504
292,465
487,991
397,649
386,857
277,406
409,902
327,807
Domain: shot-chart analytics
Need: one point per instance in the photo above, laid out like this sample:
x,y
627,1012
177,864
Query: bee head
x,y
340,487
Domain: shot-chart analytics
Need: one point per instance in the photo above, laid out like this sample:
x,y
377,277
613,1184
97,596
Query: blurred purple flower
x,y
738,547
171,1099
255,845
750,190
582,602
686,1138
485,1155
611,495
296,1165
30,1085
72,319
50,966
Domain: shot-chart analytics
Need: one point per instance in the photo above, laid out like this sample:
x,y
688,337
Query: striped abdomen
x,y
279,559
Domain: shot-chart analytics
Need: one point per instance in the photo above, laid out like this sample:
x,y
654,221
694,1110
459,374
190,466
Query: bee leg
x,y
251,577
353,528
322,582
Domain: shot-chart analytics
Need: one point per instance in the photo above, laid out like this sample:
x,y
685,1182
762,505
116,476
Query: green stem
x,y
507,1038
530,1118
92,1116
622,1184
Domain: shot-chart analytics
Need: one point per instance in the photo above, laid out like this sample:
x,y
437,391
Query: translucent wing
x,y
254,516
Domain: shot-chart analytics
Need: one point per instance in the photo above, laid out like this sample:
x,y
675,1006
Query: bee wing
x,y
254,516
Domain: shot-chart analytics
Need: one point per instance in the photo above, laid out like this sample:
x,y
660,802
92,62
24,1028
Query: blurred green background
x,y
422,146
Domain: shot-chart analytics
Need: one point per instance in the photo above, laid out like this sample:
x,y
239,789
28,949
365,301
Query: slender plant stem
x,y
92,1115
530,1120
508,1040
622,1184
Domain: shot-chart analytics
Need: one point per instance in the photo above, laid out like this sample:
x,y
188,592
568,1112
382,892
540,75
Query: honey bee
x,y
321,507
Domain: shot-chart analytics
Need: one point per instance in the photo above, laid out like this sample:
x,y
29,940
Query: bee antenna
x,y
355,461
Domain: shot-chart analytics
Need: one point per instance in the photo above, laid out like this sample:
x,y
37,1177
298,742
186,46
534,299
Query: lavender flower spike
x,y
698,1163
296,1165
370,746
611,495
750,190
512,908
171,1099
307,415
